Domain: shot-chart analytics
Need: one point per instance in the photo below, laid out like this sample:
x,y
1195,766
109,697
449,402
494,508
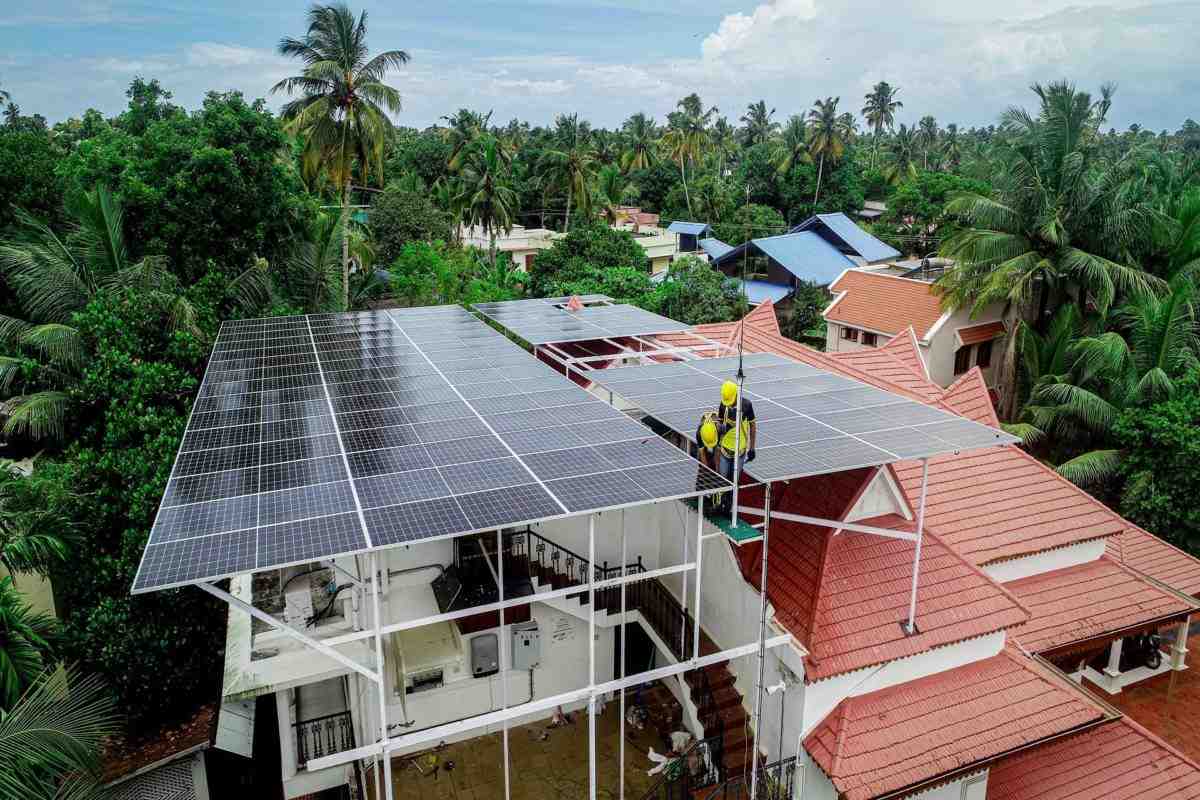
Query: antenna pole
x,y
741,379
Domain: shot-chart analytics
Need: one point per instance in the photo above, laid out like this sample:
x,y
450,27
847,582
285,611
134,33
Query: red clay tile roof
x,y
897,363
983,332
1088,600
1001,503
884,303
1144,552
968,397
906,735
845,595
1119,760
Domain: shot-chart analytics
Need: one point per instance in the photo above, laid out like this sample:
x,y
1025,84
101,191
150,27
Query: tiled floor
x,y
1170,711
556,767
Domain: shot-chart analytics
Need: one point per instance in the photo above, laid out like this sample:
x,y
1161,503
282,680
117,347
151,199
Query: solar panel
x,y
542,321
809,421
331,434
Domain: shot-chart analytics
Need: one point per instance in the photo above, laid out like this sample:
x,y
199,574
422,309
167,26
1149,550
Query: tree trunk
x,y
346,246
816,194
686,198
492,248
567,223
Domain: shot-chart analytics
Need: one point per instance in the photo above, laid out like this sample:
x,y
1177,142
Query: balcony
x,y
323,736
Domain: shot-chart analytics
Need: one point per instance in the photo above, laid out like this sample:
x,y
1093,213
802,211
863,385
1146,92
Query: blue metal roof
x,y
694,228
806,255
714,247
847,236
760,291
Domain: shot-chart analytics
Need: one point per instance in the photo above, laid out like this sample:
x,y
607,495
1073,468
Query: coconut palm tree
x,y
613,190
27,643
641,137
758,125
462,129
827,137
723,141
1059,221
314,268
902,153
927,135
570,163
792,146
1137,365
50,739
341,113
605,146
951,147
488,199
879,109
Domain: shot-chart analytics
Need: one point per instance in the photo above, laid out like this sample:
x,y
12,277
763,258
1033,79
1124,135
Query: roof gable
x,y
845,234
805,255
968,397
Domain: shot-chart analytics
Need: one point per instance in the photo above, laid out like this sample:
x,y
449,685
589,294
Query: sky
x,y
962,61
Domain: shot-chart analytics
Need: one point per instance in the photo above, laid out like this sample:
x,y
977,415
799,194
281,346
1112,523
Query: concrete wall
x,y
1060,558
34,589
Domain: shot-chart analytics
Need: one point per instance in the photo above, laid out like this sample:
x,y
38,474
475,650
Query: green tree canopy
x,y
399,216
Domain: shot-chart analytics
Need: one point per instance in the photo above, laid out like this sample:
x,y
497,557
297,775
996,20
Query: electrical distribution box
x,y
526,645
485,655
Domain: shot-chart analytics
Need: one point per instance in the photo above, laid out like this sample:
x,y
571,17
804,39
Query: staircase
x,y
713,693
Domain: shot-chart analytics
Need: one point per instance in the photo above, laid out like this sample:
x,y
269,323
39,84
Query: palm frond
x,y
60,344
41,415
1091,468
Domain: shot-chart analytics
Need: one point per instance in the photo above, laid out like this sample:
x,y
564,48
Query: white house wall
x,y
1060,558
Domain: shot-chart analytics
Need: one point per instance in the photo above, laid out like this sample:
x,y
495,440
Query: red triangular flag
x,y
574,303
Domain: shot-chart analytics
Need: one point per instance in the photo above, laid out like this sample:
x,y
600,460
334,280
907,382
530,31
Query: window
x,y
870,339
983,357
850,334
962,360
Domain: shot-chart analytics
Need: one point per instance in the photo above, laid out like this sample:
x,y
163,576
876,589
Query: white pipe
x,y
377,623
912,600
699,562
621,707
592,655
762,637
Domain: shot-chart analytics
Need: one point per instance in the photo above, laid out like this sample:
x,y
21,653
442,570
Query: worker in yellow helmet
x,y
707,436
734,439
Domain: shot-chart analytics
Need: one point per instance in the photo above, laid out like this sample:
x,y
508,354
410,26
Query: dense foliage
x,y
400,216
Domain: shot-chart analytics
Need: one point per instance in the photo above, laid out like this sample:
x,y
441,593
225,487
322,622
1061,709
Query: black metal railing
x,y
568,567
776,781
322,736
665,615
697,768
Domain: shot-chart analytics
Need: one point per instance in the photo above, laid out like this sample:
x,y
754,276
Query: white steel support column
x,y
737,449
762,637
621,676
683,595
1179,648
383,790
699,562
504,658
916,570
592,656
1113,670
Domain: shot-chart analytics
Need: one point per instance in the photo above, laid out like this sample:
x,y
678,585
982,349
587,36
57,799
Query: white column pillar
x,y
916,570
504,657
592,656
1179,648
699,564
383,789
1113,670
762,638
621,706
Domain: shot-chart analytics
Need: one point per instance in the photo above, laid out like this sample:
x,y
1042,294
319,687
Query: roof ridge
x,y
971,379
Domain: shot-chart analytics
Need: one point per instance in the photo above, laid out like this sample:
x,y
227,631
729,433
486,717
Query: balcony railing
x,y
323,736
776,781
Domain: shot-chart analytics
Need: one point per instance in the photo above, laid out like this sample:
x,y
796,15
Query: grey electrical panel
x,y
485,655
526,645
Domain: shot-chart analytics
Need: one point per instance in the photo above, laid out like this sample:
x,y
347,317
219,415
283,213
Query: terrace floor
x,y
539,768
1168,705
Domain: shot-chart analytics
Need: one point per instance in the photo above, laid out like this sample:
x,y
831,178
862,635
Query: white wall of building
x,y
1060,558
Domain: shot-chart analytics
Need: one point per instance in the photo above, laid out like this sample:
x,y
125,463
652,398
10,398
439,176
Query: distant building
x,y
872,306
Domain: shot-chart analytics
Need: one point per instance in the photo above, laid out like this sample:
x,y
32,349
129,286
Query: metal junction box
x,y
526,645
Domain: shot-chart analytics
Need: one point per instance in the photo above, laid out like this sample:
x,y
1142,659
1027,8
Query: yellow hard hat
x,y
728,393
708,434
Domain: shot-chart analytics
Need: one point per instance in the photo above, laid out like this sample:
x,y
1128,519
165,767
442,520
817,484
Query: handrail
x,y
322,736
699,767
775,782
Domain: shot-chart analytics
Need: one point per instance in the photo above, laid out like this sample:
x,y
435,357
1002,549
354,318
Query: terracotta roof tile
x,y
968,397
845,595
1001,503
1144,552
983,332
1119,760
1080,602
898,363
884,303
900,737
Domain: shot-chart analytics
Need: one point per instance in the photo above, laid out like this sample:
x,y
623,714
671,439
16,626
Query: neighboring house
x,y
871,307
872,209
521,243
1026,591
689,234
817,251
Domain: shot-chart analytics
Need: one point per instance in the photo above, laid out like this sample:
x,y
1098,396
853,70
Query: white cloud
x,y
757,33
534,87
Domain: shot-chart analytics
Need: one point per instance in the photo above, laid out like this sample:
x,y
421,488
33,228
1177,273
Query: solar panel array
x,y
810,421
337,433
547,320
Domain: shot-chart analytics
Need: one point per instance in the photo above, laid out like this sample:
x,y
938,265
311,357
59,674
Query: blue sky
x,y
960,61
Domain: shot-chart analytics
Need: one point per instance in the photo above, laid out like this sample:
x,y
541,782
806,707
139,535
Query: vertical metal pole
x,y
504,659
699,560
762,637
683,597
621,709
737,449
383,787
916,570
592,656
